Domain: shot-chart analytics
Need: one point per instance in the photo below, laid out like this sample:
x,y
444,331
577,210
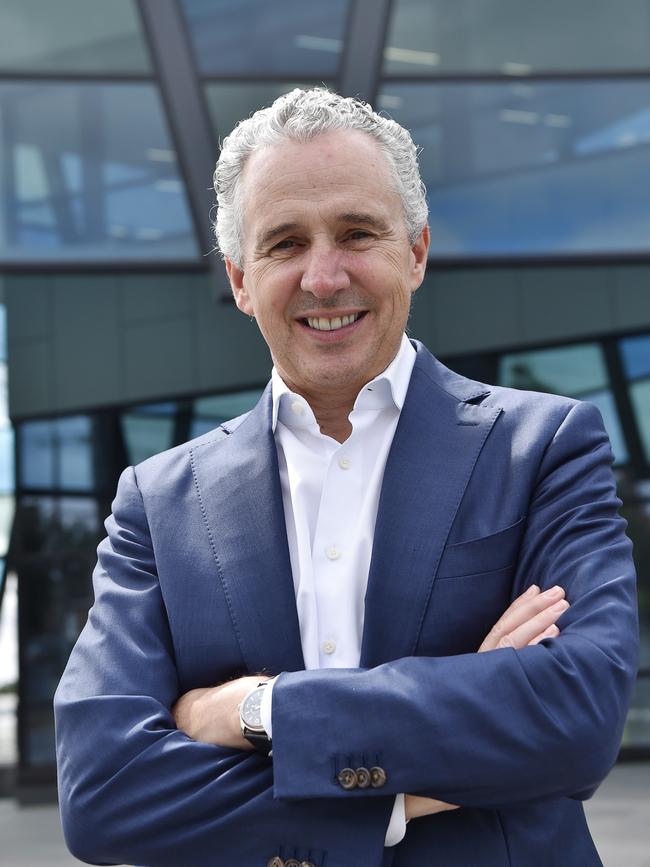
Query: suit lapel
x,y
239,486
437,443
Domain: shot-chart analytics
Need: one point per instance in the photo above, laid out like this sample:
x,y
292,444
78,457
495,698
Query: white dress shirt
x,y
330,493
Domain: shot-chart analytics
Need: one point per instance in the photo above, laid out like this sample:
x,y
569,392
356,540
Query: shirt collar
x,y
389,387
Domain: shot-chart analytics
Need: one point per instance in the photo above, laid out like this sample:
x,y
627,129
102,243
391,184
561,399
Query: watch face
x,y
251,709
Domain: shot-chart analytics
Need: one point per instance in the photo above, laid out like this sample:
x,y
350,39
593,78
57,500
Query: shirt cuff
x,y
265,707
397,825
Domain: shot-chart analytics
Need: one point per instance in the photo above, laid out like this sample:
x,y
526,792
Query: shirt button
x,y
329,647
345,463
297,408
333,553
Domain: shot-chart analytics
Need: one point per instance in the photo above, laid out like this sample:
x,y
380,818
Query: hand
x,y
211,714
416,806
529,619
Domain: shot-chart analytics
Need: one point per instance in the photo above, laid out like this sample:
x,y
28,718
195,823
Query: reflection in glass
x,y
57,453
229,102
635,352
252,37
93,174
531,168
575,371
637,724
148,430
569,370
210,412
58,524
515,38
71,36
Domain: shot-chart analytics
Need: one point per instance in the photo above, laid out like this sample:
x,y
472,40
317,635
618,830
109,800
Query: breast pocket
x,y
478,556
471,591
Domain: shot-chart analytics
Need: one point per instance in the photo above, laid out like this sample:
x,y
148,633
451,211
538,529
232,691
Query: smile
x,y
321,323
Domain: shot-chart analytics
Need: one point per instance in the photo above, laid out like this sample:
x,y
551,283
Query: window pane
x,y
553,167
640,395
210,412
575,371
89,174
71,36
230,102
57,454
37,457
636,356
515,37
635,352
570,370
148,430
287,37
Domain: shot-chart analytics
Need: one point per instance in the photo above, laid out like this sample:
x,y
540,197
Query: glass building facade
x,y
534,125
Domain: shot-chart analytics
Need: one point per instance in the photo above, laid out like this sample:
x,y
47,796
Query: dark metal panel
x,y
364,48
188,118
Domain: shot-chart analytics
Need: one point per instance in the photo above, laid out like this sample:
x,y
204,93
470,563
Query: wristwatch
x,y
250,720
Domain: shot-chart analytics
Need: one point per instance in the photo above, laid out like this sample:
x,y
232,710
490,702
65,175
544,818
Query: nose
x,y
324,272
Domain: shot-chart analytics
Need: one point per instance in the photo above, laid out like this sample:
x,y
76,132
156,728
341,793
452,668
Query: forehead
x,y
334,172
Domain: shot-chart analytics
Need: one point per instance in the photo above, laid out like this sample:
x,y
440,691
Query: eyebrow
x,y
365,219
348,217
272,233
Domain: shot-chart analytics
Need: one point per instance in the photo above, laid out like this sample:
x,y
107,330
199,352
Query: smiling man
x,y
388,616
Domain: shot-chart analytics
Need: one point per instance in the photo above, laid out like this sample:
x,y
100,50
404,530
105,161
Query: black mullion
x,y
504,78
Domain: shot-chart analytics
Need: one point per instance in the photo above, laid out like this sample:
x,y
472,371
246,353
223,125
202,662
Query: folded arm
x,y
133,788
505,727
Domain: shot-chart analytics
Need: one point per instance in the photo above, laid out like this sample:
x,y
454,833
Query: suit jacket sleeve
x,y
503,727
134,789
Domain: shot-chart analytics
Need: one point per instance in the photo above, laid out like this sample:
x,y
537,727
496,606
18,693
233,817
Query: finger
x,y
551,632
520,612
522,635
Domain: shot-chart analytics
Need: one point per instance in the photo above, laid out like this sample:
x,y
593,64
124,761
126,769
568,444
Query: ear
x,y
236,278
419,258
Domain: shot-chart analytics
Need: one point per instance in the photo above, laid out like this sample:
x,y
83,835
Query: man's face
x,y
328,270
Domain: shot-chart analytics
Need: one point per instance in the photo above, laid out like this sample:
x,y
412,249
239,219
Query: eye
x,y
358,235
286,244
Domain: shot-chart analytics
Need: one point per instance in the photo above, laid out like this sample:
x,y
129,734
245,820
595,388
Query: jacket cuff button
x,y
377,777
275,862
363,778
347,778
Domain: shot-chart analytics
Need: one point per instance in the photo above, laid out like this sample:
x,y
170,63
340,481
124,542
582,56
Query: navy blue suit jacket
x,y
486,491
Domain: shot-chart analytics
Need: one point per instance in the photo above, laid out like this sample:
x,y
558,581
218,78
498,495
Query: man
x,y
373,523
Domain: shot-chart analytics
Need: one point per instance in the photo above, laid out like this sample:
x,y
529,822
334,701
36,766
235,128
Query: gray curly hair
x,y
301,115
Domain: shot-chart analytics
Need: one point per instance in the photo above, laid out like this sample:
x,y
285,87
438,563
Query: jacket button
x,y
276,862
377,777
307,864
347,778
292,863
363,778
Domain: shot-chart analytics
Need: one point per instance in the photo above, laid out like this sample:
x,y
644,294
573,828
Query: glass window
x,y
249,37
636,363
531,168
516,38
71,36
148,430
230,102
89,174
636,510
58,524
57,453
210,412
575,371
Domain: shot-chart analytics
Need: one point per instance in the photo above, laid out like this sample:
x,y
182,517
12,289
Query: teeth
x,y
322,324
